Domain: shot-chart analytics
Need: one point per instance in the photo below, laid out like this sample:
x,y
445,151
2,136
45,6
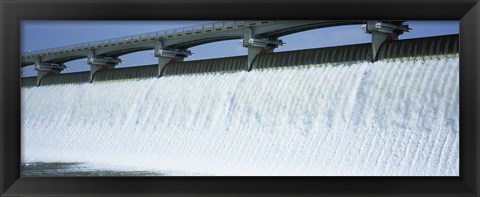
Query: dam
x,y
315,112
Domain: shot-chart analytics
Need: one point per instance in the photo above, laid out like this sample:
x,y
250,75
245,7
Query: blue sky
x,y
36,35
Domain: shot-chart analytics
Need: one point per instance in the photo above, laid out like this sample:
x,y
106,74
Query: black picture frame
x,y
13,11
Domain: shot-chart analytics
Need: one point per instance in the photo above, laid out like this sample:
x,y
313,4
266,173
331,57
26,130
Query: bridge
x,y
172,45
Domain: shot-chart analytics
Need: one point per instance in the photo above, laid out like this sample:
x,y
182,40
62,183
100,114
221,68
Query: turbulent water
x,y
384,118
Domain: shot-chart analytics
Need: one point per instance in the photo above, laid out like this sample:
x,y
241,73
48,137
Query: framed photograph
x,y
230,98
385,106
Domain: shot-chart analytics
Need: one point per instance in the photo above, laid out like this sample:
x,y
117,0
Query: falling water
x,y
385,118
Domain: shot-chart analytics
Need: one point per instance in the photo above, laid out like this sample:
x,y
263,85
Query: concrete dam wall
x,y
419,47
299,113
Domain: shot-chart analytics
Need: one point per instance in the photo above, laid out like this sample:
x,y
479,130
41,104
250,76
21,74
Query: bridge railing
x,y
171,33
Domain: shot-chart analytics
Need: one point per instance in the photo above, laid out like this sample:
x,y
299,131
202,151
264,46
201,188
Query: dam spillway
x,y
411,48
395,116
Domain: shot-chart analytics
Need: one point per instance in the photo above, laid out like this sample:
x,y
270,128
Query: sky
x,y
37,35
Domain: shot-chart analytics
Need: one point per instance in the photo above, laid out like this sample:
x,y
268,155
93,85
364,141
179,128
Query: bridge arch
x,y
172,45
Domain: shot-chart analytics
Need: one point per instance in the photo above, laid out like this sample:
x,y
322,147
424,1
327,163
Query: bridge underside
x,y
203,41
114,49
419,47
284,32
125,51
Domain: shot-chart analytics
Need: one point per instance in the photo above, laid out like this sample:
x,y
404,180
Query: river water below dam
x,y
387,118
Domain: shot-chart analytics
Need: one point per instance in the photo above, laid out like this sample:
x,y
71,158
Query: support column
x,y
383,31
99,63
257,46
44,69
166,56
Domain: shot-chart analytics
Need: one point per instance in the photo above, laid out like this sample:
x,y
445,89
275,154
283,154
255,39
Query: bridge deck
x,y
180,38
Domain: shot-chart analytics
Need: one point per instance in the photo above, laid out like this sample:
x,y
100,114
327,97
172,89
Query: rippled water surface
x,y
396,118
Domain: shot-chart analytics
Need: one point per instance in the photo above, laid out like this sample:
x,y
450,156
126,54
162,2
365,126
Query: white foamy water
x,y
382,118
